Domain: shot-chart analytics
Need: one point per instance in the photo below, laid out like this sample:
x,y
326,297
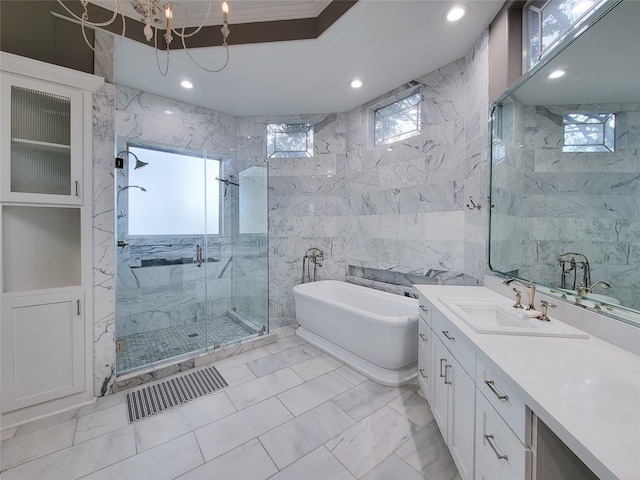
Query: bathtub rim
x,y
383,376
397,321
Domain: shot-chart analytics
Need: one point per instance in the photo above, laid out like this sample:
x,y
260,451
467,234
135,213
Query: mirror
x,y
565,170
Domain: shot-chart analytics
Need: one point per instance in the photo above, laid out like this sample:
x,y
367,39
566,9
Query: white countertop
x,y
586,390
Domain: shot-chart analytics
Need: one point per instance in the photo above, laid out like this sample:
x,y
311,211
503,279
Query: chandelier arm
x,y
155,37
183,35
205,68
93,24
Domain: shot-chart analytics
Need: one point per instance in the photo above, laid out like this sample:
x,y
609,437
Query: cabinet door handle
x,y
446,334
490,384
77,188
489,438
424,309
446,376
442,360
422,373
78,307
423,337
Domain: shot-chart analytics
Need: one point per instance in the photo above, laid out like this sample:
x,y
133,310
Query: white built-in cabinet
x,y
45,226
487,429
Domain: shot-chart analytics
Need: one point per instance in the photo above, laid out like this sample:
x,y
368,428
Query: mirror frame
x,y
621,313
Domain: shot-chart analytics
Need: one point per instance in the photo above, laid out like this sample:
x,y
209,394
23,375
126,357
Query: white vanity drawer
x,y
497,391
425,309
498,446
457,343
424,371
424,334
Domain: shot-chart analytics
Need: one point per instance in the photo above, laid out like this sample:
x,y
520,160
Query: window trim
x,y
268,131
399,97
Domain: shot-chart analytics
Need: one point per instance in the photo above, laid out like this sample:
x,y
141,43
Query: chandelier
x,y
156,17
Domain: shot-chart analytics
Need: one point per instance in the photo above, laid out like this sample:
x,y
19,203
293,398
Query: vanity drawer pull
x,y
490,384
489,438
446,377
422,373
446,334
424,309
442,360
423,337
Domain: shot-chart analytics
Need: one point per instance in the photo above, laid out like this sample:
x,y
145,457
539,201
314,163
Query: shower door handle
x,y
199,255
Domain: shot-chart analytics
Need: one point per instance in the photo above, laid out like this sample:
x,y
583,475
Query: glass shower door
x,y
161,256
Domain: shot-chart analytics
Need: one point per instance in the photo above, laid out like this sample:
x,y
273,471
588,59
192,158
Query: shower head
x,y
139,163
132,186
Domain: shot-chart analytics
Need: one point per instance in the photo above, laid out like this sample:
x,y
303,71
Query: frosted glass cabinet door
x,y
41,142
43,345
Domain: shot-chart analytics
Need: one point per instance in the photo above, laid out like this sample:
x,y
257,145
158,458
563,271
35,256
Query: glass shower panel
x,y
250,245
161,257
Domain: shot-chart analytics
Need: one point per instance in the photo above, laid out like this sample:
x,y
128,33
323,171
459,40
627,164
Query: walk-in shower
x,y
191,254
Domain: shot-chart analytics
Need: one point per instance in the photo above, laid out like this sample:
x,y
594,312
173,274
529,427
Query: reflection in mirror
x,y
565,172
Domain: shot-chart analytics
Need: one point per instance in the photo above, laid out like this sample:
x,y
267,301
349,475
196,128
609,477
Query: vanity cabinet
x,y
452,389
486,427
46,281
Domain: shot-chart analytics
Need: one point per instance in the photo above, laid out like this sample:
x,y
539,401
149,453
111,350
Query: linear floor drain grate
x,y
147,401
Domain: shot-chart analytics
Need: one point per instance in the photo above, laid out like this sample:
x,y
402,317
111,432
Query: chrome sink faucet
x,y
530,290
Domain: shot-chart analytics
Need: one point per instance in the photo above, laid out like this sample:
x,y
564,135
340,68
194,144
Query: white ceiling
x,y
383,42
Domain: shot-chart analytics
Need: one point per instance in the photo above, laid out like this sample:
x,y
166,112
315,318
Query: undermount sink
x,y
498,317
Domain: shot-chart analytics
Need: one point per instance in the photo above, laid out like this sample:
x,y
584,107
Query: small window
x,y
289,140
397,121
589,132
547,22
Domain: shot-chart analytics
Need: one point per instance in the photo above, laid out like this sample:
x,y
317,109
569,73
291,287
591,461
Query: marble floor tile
x,y
366,398
265,366
428,454
414,407
311,350
103,403
351,375
284,344
101,422
230,432
394,468
260,389
285,331
165,426
246,462
377,437
317,465
168,460
21,449
78,460
299,436
314,392
316,366
242,358
237,375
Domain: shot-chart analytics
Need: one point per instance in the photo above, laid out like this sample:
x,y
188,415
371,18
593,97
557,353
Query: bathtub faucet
x,y
316,256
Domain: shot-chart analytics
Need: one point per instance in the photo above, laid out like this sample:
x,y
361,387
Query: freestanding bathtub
x,y
374,332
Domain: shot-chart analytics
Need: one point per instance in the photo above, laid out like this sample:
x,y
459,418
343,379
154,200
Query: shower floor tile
x,y
145,348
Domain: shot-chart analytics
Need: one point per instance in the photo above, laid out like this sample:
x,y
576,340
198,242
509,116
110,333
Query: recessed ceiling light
x,y
456,12
355,83
168,112
557,73
186,84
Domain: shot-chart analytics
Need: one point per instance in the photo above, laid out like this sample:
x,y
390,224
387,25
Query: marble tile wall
x,y
401,210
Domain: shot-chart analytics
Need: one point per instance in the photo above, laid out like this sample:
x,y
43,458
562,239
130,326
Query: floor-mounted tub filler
x,y
373,332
